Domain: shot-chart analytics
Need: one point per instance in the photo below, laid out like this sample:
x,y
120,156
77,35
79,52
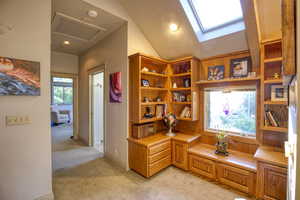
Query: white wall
x,y
136,40
64,63
113,53
25,151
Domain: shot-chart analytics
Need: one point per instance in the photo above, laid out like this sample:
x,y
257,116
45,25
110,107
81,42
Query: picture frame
x,y
145,83
159,110
19,77
115,87
240,67
215,72
279,93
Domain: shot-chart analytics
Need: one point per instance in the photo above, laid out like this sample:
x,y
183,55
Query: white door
x,y
97,111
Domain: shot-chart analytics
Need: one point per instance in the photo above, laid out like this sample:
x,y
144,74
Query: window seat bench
x,y
237,170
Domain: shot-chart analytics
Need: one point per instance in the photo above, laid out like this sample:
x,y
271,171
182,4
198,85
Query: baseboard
x,y
46,197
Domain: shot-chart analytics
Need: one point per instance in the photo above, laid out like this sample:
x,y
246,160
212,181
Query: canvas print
x,y
215,72
115,90
239,67
19,77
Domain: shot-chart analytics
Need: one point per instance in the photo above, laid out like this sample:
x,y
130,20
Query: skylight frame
x,y
191,4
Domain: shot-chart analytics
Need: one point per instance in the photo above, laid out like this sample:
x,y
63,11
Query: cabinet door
x,y
179,155
202,166
272,182
237,178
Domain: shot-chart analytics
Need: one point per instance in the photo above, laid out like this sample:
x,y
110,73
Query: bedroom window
x,y
231,110
62,91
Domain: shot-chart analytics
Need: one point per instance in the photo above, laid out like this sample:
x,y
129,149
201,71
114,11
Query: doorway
x,y
97,101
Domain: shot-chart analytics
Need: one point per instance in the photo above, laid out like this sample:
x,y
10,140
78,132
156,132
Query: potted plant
x,y
222,143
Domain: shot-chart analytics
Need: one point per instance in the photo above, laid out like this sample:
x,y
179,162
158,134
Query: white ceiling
x,y
153,17
65,13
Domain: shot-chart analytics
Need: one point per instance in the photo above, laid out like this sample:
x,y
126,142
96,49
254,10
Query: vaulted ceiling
x,y
153,17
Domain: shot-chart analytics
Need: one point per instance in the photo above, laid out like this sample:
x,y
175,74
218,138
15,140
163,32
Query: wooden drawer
x,y
237,178
159,147
202,166
159,155
159,165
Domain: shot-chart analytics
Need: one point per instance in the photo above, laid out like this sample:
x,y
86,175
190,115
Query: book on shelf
x,y
270,119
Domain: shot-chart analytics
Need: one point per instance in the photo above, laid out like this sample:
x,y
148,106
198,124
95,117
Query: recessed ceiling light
x,y
66,42
92,13
173,27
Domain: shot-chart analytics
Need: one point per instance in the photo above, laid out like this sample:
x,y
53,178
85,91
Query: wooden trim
x,y
225,55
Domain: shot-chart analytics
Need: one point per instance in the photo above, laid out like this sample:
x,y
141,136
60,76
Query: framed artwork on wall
x,y
215,72
19,77
240,67
115,88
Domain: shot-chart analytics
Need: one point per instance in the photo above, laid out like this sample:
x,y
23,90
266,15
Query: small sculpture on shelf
x,y
146,100
170,121
158,99
148,114
145,69
276,76
222,143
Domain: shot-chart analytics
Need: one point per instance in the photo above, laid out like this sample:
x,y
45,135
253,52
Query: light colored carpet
x,y
81,174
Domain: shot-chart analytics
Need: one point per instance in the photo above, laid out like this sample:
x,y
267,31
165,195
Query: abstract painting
x,y
215,72
19,77
115,88
240,67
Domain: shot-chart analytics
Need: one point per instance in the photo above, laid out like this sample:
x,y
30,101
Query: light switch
x,y
17,120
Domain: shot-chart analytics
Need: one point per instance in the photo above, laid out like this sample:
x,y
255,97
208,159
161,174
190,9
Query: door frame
x,y
92,71
75,99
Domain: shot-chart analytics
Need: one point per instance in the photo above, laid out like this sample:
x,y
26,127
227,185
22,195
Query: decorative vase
x,y
170,121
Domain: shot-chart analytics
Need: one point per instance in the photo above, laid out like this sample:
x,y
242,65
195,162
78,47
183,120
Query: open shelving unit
x,y
160,75
271,63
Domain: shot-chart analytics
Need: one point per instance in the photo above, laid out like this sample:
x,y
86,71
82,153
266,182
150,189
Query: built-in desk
x,y
149,155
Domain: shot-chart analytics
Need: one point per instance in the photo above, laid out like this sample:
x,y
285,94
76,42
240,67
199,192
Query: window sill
x,y
237,138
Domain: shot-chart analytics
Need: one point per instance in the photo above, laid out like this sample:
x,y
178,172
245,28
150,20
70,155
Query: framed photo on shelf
x,y
240,67
145,83
279,93
215,72
160,110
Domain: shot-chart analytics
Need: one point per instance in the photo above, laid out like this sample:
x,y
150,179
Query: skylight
x,y
212,14
214,18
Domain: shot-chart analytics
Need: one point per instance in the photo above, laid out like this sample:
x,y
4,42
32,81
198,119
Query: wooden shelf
x,y
153,88
150,120
180,89
228,80
153,103
276,103
181,74
155,74
273,60
181,102
272,81
184,119
275,129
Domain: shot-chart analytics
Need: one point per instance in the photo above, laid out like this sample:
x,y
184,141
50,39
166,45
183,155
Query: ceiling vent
x,y
75,28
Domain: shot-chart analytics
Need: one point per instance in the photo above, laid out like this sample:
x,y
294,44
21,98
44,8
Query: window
x,y
62,91
233,110
212,14
212,19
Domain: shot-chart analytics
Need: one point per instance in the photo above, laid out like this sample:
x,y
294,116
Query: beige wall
x,y
25,151
136,40
269,13
64,63
113,53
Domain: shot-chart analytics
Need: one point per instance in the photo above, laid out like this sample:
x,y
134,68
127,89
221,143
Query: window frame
x,y
191,4
232,133
63,85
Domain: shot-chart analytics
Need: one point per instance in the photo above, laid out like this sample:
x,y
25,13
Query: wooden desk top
x,y
236,159
161,137
268,155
